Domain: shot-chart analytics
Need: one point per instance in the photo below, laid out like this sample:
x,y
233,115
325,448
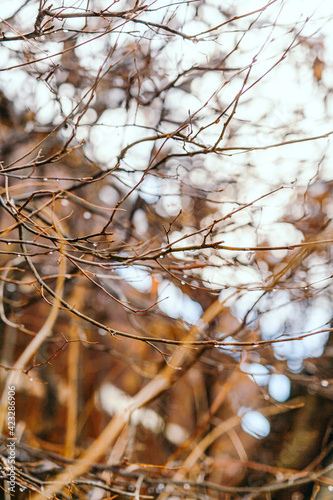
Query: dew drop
x,y
324,383
8,243
45,179
95,245
182,283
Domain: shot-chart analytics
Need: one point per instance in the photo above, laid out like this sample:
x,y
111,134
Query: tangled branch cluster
x,y
166,206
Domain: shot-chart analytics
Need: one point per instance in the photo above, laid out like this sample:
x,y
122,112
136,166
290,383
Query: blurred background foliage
x,y
160,160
